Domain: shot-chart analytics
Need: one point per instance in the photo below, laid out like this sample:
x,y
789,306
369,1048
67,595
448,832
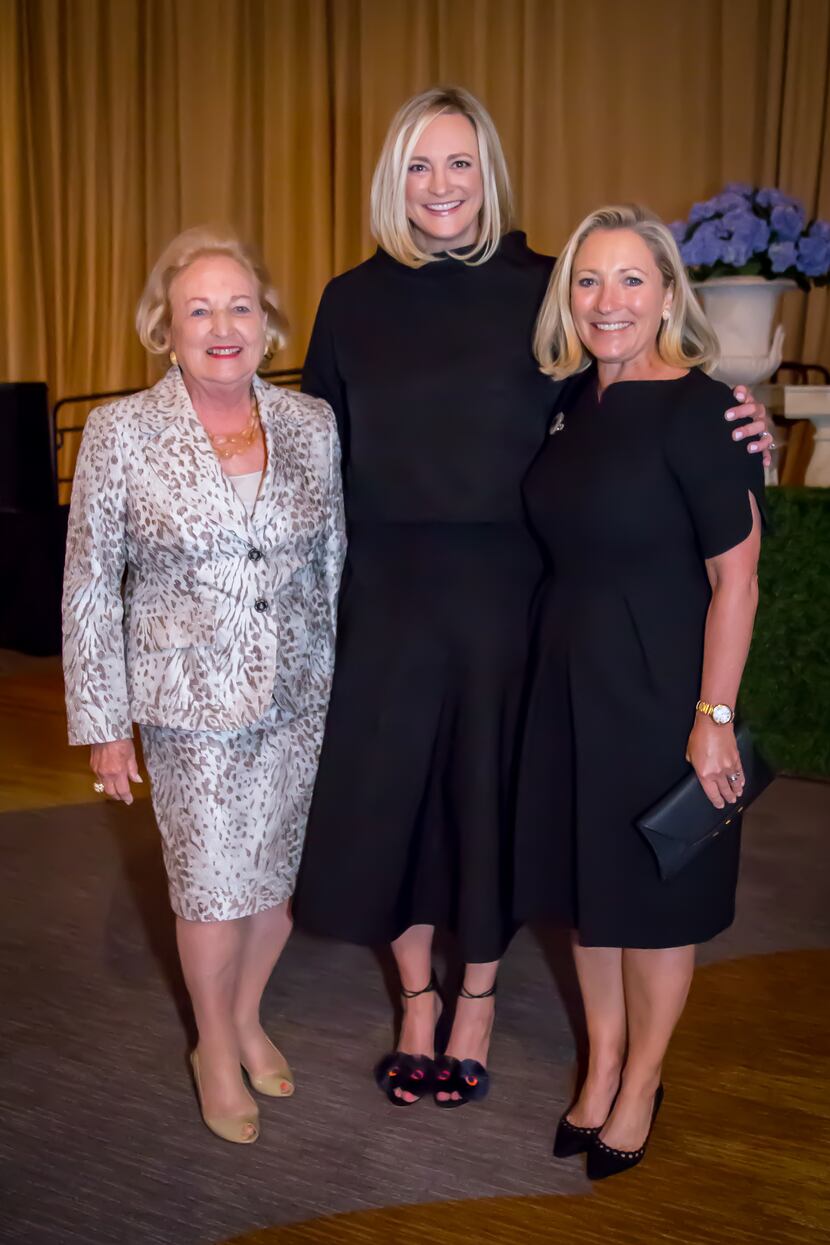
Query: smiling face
x,y
618,298
217,324
444,188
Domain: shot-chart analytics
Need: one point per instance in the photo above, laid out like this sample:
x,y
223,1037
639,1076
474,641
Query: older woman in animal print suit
x,y
220,496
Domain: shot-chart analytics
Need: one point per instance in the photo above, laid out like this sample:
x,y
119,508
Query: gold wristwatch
x,y
721,714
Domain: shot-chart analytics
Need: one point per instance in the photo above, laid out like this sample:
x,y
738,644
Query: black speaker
x,y
27,450
31,571
32,525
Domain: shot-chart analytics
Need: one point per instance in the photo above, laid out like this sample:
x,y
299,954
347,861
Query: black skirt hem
x,y
651,942
479,952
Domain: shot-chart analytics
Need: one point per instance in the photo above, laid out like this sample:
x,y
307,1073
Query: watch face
x,y
722,714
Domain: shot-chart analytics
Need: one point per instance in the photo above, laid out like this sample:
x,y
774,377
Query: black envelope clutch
x,y
685,820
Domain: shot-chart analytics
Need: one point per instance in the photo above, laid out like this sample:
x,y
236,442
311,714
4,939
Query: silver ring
x,y
772,445
98,788
734,777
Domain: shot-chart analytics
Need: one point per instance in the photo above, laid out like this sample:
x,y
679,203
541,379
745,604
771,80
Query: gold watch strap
x,y
708,710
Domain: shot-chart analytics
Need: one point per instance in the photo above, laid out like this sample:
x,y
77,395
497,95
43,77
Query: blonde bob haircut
x,y
153,315
685,339
390,224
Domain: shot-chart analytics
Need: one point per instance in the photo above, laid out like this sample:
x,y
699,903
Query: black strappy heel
x,y
411,1074
466,1077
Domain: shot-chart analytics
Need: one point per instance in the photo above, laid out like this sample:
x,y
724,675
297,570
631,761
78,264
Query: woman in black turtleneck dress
x,y
426,360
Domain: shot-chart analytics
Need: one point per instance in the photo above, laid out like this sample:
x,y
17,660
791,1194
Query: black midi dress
x,y
629,497
441,409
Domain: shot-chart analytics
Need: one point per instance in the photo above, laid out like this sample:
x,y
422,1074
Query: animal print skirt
x,y
232,809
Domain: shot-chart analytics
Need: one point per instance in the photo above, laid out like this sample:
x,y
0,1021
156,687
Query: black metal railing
x,y
290,378
802,373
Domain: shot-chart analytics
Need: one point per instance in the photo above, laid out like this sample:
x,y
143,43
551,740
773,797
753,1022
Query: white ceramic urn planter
x,y
742,310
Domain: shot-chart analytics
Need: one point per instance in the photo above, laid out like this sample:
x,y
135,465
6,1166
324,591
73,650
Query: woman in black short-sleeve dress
x,y
644,506
629,499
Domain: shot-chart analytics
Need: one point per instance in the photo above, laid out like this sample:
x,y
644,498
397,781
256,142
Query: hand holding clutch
x,y
713,753
684,821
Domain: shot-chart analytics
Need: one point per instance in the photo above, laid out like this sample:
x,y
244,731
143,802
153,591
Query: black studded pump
x,y
604,1161
410,1074
571,1139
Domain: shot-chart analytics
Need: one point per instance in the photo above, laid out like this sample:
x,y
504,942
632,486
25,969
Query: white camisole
x,y
247,488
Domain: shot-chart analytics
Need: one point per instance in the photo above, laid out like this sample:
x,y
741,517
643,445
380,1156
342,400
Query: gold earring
x,y
173,358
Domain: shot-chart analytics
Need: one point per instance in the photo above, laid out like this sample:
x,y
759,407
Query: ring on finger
x,y
735,777
98,788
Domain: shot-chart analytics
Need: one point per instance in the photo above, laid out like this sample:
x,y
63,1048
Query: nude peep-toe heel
x,y
235,1128
279,1084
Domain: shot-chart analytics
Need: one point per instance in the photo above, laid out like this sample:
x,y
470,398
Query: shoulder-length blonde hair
x,y
153,314
685,339
390,224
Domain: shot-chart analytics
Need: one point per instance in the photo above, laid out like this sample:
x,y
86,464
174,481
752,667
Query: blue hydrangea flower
x,y
788,221
782,255
772,198
736,250
705,247
729,201
761,236
814,256
765,226
747,227
702,211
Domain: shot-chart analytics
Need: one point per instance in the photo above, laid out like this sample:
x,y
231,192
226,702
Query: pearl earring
x,y
666,313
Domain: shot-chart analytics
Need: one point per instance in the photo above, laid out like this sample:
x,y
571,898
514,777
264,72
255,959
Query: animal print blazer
x,y
220,613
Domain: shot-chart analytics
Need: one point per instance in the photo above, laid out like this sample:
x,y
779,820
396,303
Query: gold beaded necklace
x,y
230,445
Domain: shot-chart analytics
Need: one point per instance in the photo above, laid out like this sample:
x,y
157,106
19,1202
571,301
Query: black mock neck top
x,y
440,404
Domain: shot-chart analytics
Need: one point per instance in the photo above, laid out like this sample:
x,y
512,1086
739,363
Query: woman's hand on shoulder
x,y
114,764
713,753
761,425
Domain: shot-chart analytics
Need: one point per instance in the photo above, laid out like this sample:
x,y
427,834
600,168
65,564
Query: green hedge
x,y
785,694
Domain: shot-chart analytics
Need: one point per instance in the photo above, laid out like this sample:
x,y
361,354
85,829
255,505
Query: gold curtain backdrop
x,y
124,121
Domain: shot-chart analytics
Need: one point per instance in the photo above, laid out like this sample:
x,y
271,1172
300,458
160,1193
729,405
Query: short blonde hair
x,y
390,224
153,315
685,339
